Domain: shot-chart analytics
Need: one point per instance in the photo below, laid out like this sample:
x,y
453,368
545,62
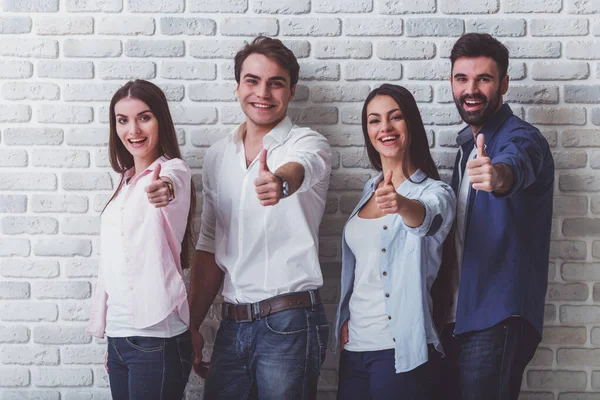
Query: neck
x,y
395,165
257,132
140,164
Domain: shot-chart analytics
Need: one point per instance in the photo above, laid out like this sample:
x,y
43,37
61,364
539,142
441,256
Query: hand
x,y
481,172
106,361
157,191
200,368
386,196
344,334
268,186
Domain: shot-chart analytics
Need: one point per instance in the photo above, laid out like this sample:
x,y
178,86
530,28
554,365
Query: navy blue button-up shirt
x,y
504,271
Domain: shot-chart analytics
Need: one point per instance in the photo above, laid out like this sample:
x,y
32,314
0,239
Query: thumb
x,y
156,173
388,178
481,146
263,162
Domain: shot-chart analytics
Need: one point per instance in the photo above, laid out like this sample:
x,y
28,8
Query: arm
x,y
390,202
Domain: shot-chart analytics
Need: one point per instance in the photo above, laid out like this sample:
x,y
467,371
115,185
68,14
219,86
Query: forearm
x,y
504,178
293,173
411,211
205,282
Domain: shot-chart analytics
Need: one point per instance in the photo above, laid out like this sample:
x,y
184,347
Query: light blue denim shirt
x,y
410,262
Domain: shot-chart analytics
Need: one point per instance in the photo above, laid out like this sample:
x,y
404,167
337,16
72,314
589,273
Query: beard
x,y
478,117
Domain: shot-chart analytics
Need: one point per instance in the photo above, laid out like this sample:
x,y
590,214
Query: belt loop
x,y
256,310
312,299
226,311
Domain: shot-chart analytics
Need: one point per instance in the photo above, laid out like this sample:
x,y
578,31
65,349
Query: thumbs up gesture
x,y
157,191
386,196
481,172
268,186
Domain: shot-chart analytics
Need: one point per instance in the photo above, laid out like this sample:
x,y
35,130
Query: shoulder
x,y
175,164
305,135
516,127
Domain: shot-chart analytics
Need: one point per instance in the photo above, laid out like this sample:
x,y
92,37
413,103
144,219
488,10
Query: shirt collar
x,y
129,173
489,128
417,177
278,134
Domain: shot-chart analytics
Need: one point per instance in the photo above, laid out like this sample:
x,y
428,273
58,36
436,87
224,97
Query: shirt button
x,y
394,339
130,287
127,259
384,273
387,295
389,317
383,250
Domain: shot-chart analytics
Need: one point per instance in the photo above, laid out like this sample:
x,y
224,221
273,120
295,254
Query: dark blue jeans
x,y
488,364
273,358
371,375
149,368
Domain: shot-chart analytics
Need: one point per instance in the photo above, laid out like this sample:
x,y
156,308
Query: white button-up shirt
x,y
265,251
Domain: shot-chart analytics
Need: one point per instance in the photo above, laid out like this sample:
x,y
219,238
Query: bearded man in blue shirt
x,y
503,179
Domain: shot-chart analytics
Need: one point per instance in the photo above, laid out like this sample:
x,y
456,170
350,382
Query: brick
x,y
59,203
63,377
533,49
542,358
29,355
94,5
15,69
74,311
13,158
60,158
559,27
126,70
194,115
64,25
14,377
372,70
14,290
595,336
29,225
27,181
444,159
594,204
559,70
82,355
30,5
536,396
348,181
406,6
354,157
65,69
571,380
187,26
551,136
440,116
89,92
535,94
582,50
595,159
380,26
549,313
87,136
212,92
470,6
80,225
351,115
324,93
15,113
224,48
64,114
572,357
51,334
254,26
86,181
197,70
14,334
596,116
154,48
162,6
311,27
95,395
128,25
443,27
579,395
24,268
557,116
15,24
101,158
581,138
497,27
300,48
10,203
218,6
579,182
568,249
581,227
342,6
569,159
583,7
62,290
567,292
313,115
28,311
82,268
279,7
547,6
62,247
564,335
582,93
94,48
405,50
570,205
579,314
319,71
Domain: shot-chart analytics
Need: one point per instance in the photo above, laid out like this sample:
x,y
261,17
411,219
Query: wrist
x,y
284,188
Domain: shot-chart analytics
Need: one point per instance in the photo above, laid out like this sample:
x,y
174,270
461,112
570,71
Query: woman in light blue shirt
x,y
391,254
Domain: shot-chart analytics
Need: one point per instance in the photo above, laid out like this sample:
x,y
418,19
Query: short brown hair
x,y
273,49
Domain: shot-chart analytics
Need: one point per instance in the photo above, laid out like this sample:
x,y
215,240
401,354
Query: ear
x,y
505,84
293,92
237,91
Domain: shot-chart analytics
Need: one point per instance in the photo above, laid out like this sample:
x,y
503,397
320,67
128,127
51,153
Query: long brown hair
x,y
121,160
416,141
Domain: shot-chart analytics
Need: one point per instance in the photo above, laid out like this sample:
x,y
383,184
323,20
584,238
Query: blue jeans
x,y
275,357
367,375
149,368
488,364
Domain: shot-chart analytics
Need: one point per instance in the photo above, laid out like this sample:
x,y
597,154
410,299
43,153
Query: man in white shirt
x,y
264,192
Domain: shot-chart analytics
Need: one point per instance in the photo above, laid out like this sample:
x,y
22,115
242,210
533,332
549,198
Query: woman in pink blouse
x,y
140,302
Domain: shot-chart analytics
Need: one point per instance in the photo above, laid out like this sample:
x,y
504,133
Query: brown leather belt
x,y
249,312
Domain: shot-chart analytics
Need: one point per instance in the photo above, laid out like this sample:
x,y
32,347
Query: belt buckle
x,y
249,311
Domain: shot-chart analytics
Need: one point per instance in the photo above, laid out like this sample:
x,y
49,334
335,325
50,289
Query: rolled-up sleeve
x,y
180,174
311,150
206,238
439,202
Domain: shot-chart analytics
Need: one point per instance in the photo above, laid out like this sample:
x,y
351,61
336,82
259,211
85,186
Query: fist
x,y
268,186
386,196
481,172
157,191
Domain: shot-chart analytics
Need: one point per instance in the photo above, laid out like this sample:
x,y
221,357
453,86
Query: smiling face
x,y
477,89
386,127
137,127
264,92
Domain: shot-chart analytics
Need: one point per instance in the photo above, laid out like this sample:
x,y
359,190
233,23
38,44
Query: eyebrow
x,y
459,75
140,113
273,78
389,112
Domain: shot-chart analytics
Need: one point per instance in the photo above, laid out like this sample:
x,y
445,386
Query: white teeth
x,y
136,140
387,138
261,105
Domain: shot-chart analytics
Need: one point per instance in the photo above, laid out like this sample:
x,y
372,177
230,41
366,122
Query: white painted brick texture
x,y
61,61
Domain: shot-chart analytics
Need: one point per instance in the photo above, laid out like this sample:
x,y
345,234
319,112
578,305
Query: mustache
x,y
473,97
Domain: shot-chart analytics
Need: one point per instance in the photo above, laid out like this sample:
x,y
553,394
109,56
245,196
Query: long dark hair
x,y
121,160
416,142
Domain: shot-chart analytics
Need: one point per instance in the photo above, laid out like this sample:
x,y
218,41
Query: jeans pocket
x,y
146,344
186,353
288,322
323,340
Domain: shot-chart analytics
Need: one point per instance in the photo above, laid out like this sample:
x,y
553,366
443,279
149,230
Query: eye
x,y
122,120
251,81
145,117
461,79
373,121
484,79
397,117
277,84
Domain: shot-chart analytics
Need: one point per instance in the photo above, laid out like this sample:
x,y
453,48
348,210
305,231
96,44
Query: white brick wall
x,y
61,60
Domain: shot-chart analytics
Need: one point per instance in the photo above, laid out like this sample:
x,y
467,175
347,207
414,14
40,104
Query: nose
x,y
135,126
472,87
263,90
385,125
